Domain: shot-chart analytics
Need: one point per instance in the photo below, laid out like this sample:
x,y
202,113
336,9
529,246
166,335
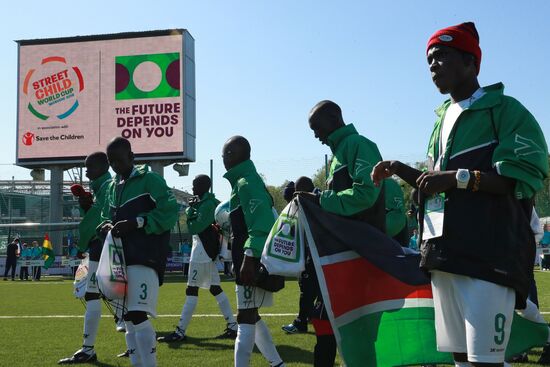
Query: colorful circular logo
x,y
147,76
53,88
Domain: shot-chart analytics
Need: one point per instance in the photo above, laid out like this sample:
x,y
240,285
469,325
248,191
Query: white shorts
x,y
252,297
91,282
472,316
203,275
143,289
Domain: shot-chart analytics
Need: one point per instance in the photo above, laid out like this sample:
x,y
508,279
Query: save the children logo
x,y
52,88
147,76
28,138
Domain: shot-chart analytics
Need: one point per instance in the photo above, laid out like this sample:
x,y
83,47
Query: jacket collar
x,y
336,137
207,196
240,170
96,184
492,97
138,170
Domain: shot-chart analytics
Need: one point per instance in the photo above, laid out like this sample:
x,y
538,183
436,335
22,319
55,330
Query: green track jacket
x,y
488,236
144,194
351,191
92,218
201,215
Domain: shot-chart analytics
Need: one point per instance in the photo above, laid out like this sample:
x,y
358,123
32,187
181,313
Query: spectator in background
x,y
186,253
72,252
36,254
413,241
309,286
11,258
288,191
544,243
24,255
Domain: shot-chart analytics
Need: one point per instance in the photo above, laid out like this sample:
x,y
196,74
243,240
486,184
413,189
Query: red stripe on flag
x,y
356,283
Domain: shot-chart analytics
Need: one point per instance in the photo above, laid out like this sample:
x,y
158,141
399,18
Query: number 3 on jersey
x,y
143,295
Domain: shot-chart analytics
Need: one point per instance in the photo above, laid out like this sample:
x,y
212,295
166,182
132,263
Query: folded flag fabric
x,y
47,252
378,300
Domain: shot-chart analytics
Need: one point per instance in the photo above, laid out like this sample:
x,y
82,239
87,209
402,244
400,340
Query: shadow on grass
x,y
180,278
292,354
289,353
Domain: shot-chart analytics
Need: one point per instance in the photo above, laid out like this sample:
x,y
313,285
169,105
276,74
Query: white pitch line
x,y
110,316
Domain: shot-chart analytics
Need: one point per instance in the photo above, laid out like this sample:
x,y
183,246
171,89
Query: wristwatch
x,y
140,222
462,178
248,252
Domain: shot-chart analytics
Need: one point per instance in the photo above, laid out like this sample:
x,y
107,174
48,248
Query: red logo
x,y
28,138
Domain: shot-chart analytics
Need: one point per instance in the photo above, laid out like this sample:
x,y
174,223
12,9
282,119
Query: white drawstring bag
x,y
81,279
111,269
283,252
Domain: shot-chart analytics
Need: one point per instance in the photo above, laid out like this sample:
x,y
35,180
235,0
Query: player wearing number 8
x,y
140,209
252,218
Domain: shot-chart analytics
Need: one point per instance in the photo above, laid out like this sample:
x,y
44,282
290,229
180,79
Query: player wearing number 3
x,y
141,210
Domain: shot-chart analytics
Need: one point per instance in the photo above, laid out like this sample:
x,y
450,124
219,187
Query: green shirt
x,y
249,193
201,214
521,152
358,155
92,218
162,217
396,219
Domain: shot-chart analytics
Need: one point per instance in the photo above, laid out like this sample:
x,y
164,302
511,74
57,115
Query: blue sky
x,y
261,66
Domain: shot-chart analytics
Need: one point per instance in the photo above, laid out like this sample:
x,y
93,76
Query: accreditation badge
x,y
434,213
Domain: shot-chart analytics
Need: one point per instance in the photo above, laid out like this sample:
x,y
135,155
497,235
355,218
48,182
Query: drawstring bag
x,y
111,269
81,279
283,252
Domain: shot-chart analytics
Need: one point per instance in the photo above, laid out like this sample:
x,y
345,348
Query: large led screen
x,y
76,94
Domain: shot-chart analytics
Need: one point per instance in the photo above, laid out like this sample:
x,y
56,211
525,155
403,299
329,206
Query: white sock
x,y
264,342
91,321
131,344
146,340
463,364
225,309
244,344
532,313
187,312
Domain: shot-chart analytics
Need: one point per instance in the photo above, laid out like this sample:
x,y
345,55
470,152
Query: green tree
x,y
320,178
277,194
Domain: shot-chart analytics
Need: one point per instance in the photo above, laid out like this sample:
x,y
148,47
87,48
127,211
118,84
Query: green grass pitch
x,y
50,334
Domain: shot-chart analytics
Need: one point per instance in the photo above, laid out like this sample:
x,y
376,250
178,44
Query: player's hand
x,y
249,270
123,227
85,202
80,255
106,228
314,198
433,182
383,170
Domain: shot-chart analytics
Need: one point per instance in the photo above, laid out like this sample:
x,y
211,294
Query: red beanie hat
x,y
463,37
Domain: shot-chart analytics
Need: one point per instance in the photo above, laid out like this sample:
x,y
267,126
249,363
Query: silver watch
x,y
248,252
140,222
462,178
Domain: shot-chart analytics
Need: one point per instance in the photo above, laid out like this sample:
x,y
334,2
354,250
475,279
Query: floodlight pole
x,y
211,176
56,206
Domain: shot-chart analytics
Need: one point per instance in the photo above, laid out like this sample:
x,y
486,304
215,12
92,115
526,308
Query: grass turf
x,y
44,340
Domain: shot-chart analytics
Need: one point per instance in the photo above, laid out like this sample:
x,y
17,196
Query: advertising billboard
x,y
76,94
